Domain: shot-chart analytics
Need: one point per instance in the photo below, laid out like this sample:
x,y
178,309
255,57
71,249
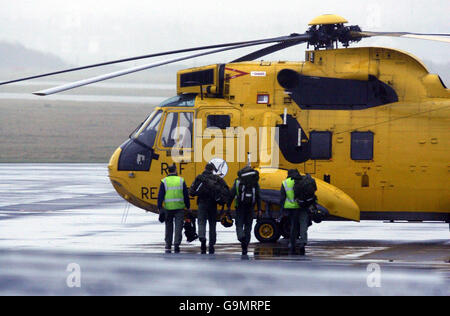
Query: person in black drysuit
x,y
207,208
244,215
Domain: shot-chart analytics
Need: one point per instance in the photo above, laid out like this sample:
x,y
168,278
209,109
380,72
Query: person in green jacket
x,y
173,199
299,217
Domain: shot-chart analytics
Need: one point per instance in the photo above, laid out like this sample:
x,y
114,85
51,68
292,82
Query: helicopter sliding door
x,y
216,141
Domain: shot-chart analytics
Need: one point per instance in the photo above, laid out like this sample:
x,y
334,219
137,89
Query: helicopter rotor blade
x,y
431,37
255,42
274,48
140,68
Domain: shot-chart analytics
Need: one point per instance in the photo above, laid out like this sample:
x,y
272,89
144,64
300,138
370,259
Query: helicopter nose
x,y
114,160
114,174
125,182
119,179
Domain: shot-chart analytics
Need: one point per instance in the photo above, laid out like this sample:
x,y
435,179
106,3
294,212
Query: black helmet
x,y
318,214
293,173
210,167
226,220
190,229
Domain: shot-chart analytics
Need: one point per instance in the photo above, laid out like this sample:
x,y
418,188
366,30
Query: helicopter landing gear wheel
x,y
267,230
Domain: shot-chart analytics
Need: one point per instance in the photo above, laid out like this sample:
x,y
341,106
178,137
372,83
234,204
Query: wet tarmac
x,y
60,221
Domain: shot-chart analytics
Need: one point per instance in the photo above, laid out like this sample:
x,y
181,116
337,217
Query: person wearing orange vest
x,y
173,199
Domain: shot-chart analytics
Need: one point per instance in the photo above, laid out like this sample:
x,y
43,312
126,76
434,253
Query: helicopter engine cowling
x,y
323,93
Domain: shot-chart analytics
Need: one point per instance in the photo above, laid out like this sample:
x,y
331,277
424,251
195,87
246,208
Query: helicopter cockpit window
x,y
148,131
178,130
218,121
187,99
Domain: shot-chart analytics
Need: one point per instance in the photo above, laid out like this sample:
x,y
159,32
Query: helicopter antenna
x,y
125,213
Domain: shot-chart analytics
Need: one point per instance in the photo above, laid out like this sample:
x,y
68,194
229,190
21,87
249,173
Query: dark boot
x,y
203,246
168,249
177,249
302,251
292,251
244,248
211,249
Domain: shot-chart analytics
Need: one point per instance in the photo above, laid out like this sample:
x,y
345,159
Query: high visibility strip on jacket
x,y
174,197
236,201
290,202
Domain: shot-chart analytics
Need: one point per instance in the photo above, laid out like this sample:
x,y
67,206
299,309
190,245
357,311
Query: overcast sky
x,y
87,31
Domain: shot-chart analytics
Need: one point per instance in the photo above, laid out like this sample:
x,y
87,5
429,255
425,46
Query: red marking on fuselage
x,y
240,73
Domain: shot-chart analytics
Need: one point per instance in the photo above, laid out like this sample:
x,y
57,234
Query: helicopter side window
x,y
186,129
218,121
178,130
320,142
168,136
362,145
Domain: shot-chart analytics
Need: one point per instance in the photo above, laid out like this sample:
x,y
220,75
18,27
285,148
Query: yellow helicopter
x,y
370,124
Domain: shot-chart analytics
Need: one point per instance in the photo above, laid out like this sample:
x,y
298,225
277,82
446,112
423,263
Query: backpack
x,y
221,191
212,187
304,190
247,182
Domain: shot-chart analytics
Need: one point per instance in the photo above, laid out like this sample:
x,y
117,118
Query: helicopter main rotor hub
x,y
329,35
327,30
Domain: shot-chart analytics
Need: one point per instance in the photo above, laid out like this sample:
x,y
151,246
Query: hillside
x,y
15,57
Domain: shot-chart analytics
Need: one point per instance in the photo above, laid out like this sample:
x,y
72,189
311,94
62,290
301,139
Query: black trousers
x,y
299,219
174,217
244,224
207,211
